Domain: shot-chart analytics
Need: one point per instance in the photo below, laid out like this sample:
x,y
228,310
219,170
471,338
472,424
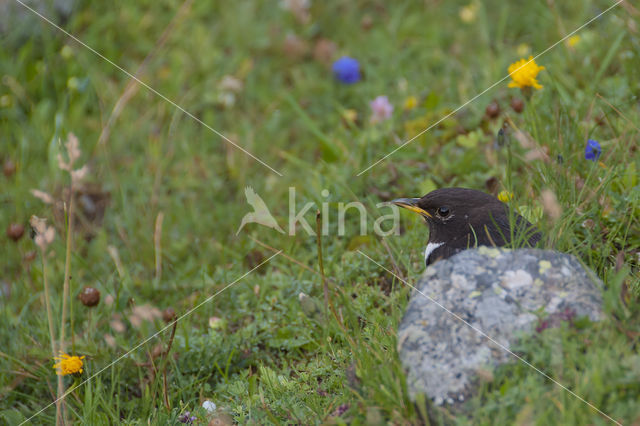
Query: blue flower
x,y
347,70
592,151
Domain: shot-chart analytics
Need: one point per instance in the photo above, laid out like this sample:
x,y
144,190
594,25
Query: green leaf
x,y
630,178
427,186
359,241
470,140
431,101
330,152
613,49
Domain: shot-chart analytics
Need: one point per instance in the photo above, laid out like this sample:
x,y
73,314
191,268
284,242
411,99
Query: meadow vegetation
x,y
155,212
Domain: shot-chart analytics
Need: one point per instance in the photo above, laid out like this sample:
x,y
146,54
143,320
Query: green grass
x,y
268,360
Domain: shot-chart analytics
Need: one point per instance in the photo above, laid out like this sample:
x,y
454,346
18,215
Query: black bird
x,y
461,218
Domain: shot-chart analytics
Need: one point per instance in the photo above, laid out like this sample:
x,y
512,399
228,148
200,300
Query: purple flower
x,y
592,151
542,325
555,319
347,70
340,410
187,418
381,109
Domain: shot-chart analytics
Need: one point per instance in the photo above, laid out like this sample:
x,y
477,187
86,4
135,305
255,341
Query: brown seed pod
x,y
168,314
89,296
492,110
294,47
517,104
366,23
8,168
30,256
324,51
15,231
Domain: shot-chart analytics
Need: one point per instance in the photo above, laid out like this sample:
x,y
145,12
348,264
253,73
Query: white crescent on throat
x,y
430,248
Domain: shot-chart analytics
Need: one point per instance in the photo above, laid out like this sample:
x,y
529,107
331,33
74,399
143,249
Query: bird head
x,y
462,216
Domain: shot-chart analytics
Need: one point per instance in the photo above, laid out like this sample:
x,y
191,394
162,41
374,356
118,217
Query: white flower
x,y
299,9
79,174
209,406
73,148
230,83
63,164
44,234
227,99
42,196
73,153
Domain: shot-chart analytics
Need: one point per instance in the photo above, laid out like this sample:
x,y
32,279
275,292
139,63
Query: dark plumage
x,y
460,218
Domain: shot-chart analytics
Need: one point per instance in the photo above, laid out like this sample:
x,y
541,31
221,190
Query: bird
x,y
462,218
260,214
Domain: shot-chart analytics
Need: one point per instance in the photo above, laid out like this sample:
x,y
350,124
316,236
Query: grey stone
x,y
16,18
499,292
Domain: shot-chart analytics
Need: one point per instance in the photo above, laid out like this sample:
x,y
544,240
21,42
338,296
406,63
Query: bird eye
x,y
443,211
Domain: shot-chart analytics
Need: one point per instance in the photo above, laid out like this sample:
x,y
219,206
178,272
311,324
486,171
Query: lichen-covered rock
x,y
500,292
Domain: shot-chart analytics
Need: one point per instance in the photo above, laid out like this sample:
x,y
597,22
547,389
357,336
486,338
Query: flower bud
x,y
8,168
89,296
168,314
15,231
492,110
517,104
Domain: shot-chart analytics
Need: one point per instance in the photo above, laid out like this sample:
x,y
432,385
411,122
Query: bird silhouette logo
x,y
260,214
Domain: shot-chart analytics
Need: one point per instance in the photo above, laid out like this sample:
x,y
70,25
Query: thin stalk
x,y
67,271
157,244
512,218
165,390
325,285
52,333
65,295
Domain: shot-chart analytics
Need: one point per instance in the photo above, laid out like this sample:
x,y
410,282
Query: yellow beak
x,y
411,204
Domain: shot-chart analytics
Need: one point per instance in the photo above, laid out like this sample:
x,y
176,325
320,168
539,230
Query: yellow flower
x,y
573,40
410,103
5,101
68,364
524,72
350,115
66,52
505,196
468,13
73,83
